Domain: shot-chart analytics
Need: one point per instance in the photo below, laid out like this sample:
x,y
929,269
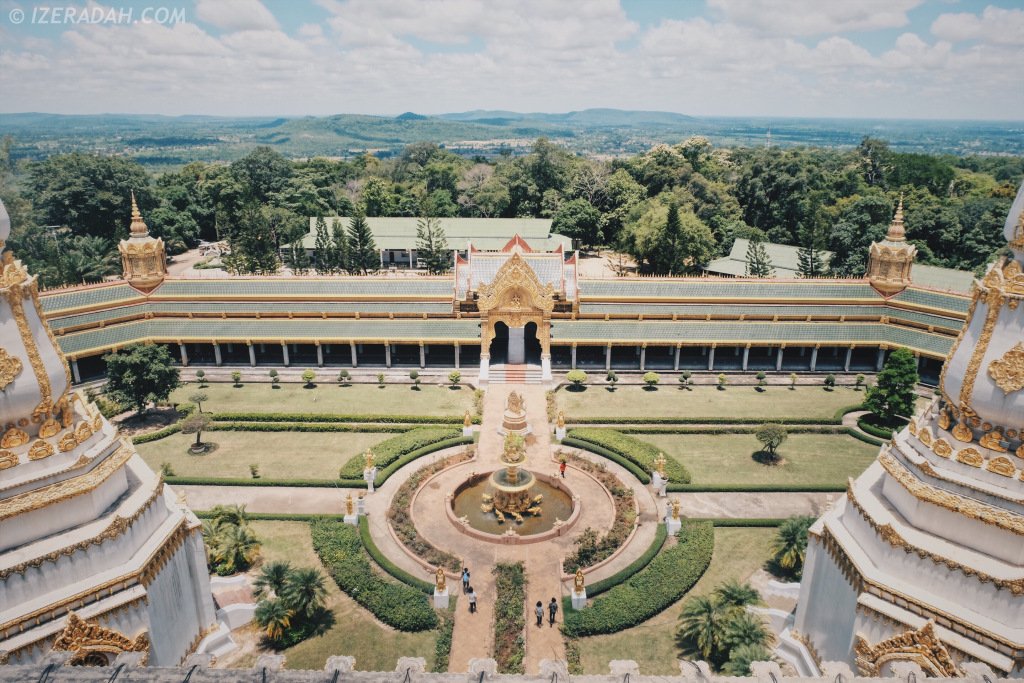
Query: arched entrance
x,y
531,344
499,343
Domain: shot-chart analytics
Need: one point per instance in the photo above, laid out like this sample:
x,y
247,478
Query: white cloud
x,y
236,15
802,18
995,25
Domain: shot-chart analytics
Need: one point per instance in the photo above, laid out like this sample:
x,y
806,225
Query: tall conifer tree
x,y
362,250
339,245
322,248
759,264
432,246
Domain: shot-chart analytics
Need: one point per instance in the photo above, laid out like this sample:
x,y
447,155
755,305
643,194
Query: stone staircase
x,y
515,374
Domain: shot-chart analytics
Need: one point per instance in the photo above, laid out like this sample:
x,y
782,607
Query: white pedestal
x,y
660,485
673,525
440,599
559,433
485,369
368,476
545,368
467,431
361,507
352,519
579,600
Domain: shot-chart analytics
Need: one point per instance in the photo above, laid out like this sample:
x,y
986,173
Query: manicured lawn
x,y
738,554
632,402
280,455
357,399
355,632
727,458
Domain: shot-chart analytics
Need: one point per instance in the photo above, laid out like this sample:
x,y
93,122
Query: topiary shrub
x,y
651,379
634,450
578,378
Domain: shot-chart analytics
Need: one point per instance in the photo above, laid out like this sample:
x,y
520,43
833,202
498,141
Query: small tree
x,y
790,544
859,383
201,377
455,377
611,378
196,423
684,380
166,470
274,378
577,377
722,381
308,376
761,380
254,470
343,376
198,398
792,381
140,374
651,379
830,382
236,377
771,436
380,379
414,375
893,394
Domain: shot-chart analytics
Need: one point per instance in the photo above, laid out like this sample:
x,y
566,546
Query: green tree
x,y
262,173
661,249
734,593
612,378
271,579
323,248
363,257
455,377
771,436
577,377
810,257
196,424
298,258
236,378
304,591
198,398
758,262
432,246
274,618
234,549
701,624
308,376
339,245
762,380
651,379
253,243
579,220
742,656
893,394
789,548
140,374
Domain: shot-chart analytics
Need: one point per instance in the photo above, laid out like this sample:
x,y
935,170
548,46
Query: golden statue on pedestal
x,y
350,505
440,582
514,404
675,508
578,582
659,464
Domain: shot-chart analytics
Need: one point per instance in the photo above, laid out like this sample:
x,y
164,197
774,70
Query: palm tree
x,y
229,515
790,545
272,578
236,550
732,594
741,657
273,617
304,591
744,628
701,624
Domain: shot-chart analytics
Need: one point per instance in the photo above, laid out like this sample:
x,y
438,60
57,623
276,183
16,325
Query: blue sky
x,y
837,58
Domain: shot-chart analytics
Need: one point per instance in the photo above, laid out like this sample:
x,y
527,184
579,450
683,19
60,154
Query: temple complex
x,y
923,559
97,557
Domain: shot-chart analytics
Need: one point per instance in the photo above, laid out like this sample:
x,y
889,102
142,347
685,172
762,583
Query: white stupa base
x,y
579,600
440,599
673,525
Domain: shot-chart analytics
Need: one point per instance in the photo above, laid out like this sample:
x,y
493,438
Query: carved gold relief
x,y
97,423
1008,372
39,450
7,460
15,297
912,427
992,441
1001,465
944,419
49,428
942,448
962,432
67,442
83,638
83,431
13,438
10,367
970,456
925,435
922,647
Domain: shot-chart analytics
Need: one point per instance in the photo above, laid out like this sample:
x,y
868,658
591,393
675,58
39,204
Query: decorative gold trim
x,y
921,647
1008,372
970,456
40,449
987,514
961,432
7,459
942,448
83,431
14,437
83,637
1001,465
15,295
994,301
34,291
10,367
912,427
67,443
992,440
69,488
49,428
925,436
944,421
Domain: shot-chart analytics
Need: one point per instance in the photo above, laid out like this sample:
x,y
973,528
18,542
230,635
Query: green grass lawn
x,y
632,402
280,455
727,458
738,554
356,399
355,632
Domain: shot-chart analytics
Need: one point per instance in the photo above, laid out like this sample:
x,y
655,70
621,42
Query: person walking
x,y
465,579
561,469
472,600
540,613
552,610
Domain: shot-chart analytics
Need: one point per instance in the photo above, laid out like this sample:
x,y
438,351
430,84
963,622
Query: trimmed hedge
x,y
396,604
383,475
866,438
305,427
704,420
741,521
634,469
733,429
639,452
275,516
848,409
509,617
443,644
756,488
664,581
300,483
158,434
390,450
386,564
328,417
880,432
615,579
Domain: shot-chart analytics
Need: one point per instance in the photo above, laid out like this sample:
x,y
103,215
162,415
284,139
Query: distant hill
x,y
586,117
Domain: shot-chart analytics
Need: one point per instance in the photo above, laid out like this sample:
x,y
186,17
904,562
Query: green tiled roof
x,y
308,287
271,331
701,332
60,300
714,288
484,233
942,278
784,259
923,297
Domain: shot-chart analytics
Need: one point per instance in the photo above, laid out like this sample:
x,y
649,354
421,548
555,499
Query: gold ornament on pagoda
x,y
39,450
962,432
1001,465
13,438
922,647
1008,372
7,460
49,428
993,441
67,442
970,456
85,638
10,367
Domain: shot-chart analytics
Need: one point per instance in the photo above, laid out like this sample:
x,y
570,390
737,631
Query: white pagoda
x,y
97,558
923,560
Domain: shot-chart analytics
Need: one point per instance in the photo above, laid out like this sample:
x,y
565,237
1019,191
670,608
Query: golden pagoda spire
x,y
897,233
138,227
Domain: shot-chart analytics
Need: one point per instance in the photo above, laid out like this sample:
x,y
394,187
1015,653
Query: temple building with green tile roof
x,y
522,301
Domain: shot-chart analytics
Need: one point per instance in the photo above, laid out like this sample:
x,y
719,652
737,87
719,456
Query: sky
x,y
945,59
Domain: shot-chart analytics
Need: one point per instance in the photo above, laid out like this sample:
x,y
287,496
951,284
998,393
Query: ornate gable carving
x,y
84,638
922,647
1008,372
515,289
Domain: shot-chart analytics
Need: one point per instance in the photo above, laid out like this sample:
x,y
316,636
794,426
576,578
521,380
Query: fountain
x,y
512,488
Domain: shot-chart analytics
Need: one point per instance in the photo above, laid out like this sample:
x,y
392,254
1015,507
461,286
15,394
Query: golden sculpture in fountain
x,y
512,487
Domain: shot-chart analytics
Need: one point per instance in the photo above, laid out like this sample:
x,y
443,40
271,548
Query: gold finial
x,y
138,227
659,464
897,233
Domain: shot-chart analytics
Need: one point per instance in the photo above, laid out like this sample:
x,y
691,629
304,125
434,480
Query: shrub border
x,y
633,468
387,565
660,536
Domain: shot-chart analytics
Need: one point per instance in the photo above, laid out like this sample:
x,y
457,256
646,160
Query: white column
x,y
849,355
184,355
545,366
918,360
423,356
675,362
319,356
778,361
814,358
711,358
74,372
485,367
608,358
387,354
216,354
643,356
573,356
458,350
284,353
746,356
355,360
252,356
881,360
